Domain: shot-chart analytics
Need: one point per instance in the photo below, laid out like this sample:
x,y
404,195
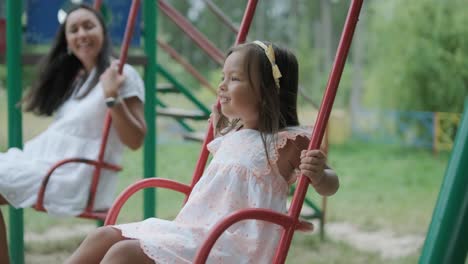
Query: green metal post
x,y
446,240
150,21
13,58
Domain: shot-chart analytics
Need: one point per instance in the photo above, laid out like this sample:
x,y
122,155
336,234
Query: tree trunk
x,y
261,12
358,61
294,25
327,34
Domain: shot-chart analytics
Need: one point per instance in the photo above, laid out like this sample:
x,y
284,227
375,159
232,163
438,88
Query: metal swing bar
x,y
291,222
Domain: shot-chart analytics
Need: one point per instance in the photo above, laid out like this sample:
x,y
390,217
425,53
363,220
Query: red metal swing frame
x,y
99,164
289,222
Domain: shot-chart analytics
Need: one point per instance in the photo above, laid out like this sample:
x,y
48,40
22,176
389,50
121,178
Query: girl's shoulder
x,y
241,140
291,141
293,134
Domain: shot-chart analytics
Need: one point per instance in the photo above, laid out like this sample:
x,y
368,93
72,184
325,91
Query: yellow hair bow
x,y
270,53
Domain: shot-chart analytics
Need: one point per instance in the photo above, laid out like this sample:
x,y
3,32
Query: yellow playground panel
x,y
445,127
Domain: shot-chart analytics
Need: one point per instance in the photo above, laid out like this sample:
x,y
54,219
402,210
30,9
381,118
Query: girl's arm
x,y
312,164
322,178
127,115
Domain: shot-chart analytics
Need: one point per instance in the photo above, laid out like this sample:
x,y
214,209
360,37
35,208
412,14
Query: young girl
x,y
255,158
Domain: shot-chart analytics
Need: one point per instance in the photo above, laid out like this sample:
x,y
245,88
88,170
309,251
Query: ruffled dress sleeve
x,y
291,134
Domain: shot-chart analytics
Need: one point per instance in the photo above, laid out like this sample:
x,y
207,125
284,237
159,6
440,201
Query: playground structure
x,y
16,215
428,130
15,139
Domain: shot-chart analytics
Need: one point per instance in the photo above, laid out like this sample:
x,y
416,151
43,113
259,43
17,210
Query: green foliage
x,y
419,55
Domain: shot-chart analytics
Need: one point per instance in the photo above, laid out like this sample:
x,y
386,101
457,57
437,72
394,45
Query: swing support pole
x,y
150,18
321,123
14,87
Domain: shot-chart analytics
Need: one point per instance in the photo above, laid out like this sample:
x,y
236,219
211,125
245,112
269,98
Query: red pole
x,y
128,33
320,124
192,32
246,21
108,119
97,4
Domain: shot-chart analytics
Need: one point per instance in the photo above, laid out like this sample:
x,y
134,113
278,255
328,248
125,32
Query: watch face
x,y
110,101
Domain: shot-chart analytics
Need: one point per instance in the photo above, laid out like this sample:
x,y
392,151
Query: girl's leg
x,y
96,245
4,258
126,252
3,242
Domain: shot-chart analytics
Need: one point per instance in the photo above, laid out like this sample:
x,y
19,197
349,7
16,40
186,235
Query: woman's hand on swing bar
x,y
111,80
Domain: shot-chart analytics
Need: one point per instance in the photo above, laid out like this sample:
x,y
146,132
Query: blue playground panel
x,y
42,20
395,127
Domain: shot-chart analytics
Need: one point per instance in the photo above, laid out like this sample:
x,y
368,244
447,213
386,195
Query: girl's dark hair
x,y
59,70
278,106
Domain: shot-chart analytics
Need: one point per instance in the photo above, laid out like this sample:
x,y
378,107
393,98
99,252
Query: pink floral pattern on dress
x,y
238,177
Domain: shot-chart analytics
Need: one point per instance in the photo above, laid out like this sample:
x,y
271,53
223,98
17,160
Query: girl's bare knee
x,y
126,251
106,233
95,246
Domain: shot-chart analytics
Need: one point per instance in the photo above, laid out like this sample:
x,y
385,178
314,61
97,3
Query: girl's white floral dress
x,y
239,176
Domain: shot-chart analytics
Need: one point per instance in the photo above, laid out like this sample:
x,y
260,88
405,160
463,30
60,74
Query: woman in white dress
x,y
77,84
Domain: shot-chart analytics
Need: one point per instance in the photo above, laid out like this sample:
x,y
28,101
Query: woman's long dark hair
x,y
278,107
59,70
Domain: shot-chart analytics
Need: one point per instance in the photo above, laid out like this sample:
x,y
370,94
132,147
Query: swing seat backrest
x,y
99,164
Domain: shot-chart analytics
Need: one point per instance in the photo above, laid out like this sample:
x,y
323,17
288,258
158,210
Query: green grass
x,y
386,187
382,187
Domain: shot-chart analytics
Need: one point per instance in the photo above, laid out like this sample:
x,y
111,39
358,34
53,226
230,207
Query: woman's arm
x,y
127,115
129,121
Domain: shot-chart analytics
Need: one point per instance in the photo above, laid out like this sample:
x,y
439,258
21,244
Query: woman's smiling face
x,y
85,36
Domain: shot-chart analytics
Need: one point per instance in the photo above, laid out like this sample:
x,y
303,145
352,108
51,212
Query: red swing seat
x,y
290,222
99,164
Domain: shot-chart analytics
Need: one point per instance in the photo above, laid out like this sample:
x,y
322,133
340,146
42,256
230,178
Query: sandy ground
x,y
384,242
